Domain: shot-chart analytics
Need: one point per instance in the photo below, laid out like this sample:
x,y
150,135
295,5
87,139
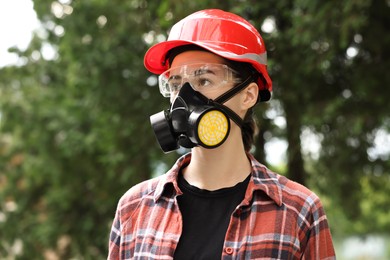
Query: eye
x,y
204,82
174,86
174,83
204,77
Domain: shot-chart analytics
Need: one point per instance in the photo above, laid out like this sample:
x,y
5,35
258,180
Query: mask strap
x,y
218,102
232,115
233,91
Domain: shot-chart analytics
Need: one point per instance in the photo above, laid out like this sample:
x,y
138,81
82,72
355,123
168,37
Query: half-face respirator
x,y
194,120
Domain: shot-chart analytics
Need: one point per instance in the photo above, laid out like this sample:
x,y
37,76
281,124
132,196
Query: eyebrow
x,y
202,71
175,76
197,72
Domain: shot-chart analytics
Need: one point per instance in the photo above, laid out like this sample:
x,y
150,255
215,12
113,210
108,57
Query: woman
x,y
217,201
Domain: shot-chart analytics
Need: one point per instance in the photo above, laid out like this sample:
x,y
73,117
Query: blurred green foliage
x,y
75,132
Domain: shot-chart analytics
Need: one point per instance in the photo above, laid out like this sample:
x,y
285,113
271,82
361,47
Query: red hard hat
x,y
225,34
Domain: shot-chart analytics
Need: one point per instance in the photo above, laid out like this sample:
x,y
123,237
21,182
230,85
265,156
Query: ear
x,y
249,96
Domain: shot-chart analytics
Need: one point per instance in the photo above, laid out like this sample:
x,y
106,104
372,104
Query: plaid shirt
x,y
278,219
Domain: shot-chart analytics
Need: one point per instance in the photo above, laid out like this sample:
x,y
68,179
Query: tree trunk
x,y
295,165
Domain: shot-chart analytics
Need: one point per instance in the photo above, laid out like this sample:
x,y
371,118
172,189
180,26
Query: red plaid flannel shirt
x,y
278,219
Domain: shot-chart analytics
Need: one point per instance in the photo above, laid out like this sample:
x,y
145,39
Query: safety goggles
x,y
202,77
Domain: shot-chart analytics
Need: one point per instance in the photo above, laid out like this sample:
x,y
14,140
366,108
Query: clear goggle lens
x,y
202,77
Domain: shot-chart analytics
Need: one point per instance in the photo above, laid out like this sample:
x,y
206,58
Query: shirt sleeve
x,y
319,245
115,237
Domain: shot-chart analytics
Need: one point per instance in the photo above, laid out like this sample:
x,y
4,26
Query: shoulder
x,y
283,191
148,192
296,193
301,202
140,191
131,199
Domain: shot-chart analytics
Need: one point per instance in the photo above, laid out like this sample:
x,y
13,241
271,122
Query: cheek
x,y
234,104
211,94
215,93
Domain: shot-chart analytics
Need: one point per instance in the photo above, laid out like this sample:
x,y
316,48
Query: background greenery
x,y
75,132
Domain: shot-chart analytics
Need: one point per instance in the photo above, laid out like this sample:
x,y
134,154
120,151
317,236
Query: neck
x,y
224,166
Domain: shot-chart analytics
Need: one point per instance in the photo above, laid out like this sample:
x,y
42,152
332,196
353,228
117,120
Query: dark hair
x,y
249,128
177,50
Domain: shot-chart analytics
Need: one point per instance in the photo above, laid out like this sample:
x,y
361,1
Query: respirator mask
x,y
193,119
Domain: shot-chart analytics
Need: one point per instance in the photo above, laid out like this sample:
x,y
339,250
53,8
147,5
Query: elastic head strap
x,y
233,91
231,114
218,102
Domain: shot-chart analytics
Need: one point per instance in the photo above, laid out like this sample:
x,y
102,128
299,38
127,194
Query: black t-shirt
x,y
206,216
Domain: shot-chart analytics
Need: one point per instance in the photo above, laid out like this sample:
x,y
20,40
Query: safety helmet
x,y
225,34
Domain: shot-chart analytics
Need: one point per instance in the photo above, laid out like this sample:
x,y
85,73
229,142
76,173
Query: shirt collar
x,y
265,180
262,179
170,178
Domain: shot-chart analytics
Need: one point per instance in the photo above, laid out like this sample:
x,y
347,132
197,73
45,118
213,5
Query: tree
x,y
77,126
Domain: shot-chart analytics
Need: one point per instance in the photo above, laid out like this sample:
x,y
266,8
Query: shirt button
x,y
229,250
